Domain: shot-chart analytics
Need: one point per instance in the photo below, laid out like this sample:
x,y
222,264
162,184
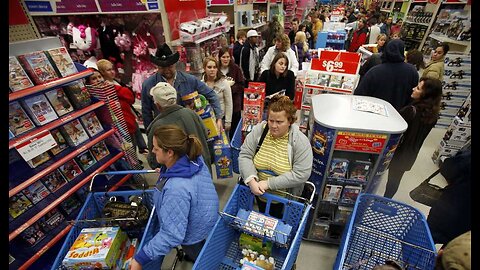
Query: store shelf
x,y
49,85
59,163
346,181
449,40
121,182
385,10
207,38
253,26
424,24
339,203
59,122
64,196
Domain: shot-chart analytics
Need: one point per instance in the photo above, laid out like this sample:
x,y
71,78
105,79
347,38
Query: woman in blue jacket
x,y
186,201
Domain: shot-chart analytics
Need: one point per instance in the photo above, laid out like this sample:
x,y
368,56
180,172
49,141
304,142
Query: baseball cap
x,y
458,253
164,94
252,33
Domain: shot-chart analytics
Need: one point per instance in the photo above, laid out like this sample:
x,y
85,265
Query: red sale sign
x,y
337,61
362,142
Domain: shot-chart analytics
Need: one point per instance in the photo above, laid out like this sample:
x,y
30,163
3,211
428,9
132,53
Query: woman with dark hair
x,y
359,37
234,76
436,67
186,202
279,77
415,57
421,116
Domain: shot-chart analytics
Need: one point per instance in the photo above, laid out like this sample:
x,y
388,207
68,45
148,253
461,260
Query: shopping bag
x,y
127,215
427,193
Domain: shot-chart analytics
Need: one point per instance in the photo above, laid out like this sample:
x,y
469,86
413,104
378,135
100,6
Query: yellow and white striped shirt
x,y
272,156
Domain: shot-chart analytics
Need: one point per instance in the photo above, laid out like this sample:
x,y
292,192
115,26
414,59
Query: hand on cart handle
x,y
255,187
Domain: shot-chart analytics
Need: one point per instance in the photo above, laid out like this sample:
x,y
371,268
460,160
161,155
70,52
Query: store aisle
x,y
322,256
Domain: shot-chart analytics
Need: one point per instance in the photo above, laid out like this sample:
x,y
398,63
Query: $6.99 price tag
x,y
330,66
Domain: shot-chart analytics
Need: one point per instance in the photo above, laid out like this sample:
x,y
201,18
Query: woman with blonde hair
x,y
300,47
282,44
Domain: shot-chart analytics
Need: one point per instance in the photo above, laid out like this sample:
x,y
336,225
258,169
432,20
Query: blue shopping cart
x,y
380,230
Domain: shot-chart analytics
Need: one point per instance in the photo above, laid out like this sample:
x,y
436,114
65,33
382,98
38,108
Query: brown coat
x,y
435,69
236,73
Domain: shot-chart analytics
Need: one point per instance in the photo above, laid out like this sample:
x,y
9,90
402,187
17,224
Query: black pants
x,y
235,120
393,182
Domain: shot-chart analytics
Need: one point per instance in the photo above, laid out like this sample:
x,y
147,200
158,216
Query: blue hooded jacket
x,y
187,208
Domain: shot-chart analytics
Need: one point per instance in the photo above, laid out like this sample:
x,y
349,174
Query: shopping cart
x,y
222,250
382,229
90,216
235,145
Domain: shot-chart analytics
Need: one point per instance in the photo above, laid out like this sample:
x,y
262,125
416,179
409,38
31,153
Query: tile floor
x,y
320,256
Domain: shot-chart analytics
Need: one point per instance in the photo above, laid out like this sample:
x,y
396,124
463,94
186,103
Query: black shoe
x,y
143,151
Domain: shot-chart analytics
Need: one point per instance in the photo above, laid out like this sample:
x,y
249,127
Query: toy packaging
x,y
210,122
18,78
359,170
18,204
249,242
61,142
39,109
252,109
70,204
98,248
332,193
62,61
348,82
54,180
91,124
36,192
335,81
78,94
38,160
59,101
18,120
223,156
350,193
338,168
33,234
85,160
51,220
39,69
70,169
129,253
262,225
74,133
100,150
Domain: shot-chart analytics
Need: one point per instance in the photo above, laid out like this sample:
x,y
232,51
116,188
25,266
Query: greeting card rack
x,y
44,196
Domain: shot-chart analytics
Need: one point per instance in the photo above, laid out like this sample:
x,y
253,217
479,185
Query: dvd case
x,y
33,234
18,204
54,180
323,79
100,150
36,192
338,168
18,78
78,95
59,101
342,213
359,170
85,160
70,169
332,193
18,120
70,204
39,69
335,81
39,109
61,142
91,123
350,193
51,220
62,61
74,133
38,160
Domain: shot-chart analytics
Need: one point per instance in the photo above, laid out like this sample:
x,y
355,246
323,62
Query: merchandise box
x,y
36,192
38,68
320,230
61,142
18,204
62,61
85,160
210,122
74,133
250,242
359,170
222,156
100,150
70,204
18,78
271,228
18,120
350,193
38,160
91,124
70,169
54,180
252,109
59,101
78,94
39,109
96,247
332,193
349,82
33,234
51,220
338,168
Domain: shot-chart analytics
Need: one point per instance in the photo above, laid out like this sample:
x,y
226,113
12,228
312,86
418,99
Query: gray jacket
x,y
300,158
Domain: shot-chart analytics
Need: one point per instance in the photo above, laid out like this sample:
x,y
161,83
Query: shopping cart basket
x,y
381,229
235,144
222,250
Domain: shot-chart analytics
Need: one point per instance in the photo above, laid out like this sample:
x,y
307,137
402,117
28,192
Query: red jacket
x,y
127,98
358,39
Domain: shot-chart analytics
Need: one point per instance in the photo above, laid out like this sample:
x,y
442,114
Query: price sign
x,y
33,147
357,141
337,61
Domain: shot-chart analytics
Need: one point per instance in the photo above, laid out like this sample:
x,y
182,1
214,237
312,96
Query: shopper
x,y
214,79
273,30
415,57
397,27
278,77
237,46
293,32
282,44
284,159
381,40
436,67
373,60
300,47
457,254
165,98
359,36
233,72
421,115
317,27
392,80
387,26
308,29
374,31
183,82
249,57
186,202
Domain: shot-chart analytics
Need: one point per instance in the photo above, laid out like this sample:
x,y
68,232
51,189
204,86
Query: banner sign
x,y
337,61
121,5
77,6
362,142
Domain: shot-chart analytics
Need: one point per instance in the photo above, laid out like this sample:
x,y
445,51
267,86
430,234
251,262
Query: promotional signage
x,y
337,61
322,140
121,5
35,146
38,6
221,2
179,11
362,142
77,6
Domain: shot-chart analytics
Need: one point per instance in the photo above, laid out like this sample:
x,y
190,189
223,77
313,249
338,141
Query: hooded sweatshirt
x,y
186,206
393,80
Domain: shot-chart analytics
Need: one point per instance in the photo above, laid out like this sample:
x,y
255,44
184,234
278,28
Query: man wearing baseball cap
x,y
165,101
249,57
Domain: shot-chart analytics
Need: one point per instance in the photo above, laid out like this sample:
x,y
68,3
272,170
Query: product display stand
x,y
353,140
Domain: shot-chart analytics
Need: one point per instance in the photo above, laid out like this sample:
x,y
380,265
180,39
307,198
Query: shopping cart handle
x,y
127,172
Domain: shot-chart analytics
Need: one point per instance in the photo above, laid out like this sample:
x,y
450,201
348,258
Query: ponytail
x,y
171,137
194,147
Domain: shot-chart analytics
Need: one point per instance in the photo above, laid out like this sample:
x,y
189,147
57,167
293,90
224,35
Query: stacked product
x,y
193,31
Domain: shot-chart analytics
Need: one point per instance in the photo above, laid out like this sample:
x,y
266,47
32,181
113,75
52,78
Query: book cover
x,y
332,193
18,204
33,234
39,109
91,123
36,192
323,79
350,193
335,81
338,168
18,120
54,180
70,204
39,69
59,101
18,78
100,150
74,133
85,160
78,95
70,169
359,170
62,61
39,160
51,220
61,142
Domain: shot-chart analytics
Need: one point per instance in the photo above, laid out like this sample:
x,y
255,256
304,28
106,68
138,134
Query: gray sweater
x,y
300,158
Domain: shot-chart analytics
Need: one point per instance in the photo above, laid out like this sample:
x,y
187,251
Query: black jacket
x,y
393,80
245,61
237,47
275,84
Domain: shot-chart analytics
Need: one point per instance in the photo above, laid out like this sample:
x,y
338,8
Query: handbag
x,y
427,193
126,215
